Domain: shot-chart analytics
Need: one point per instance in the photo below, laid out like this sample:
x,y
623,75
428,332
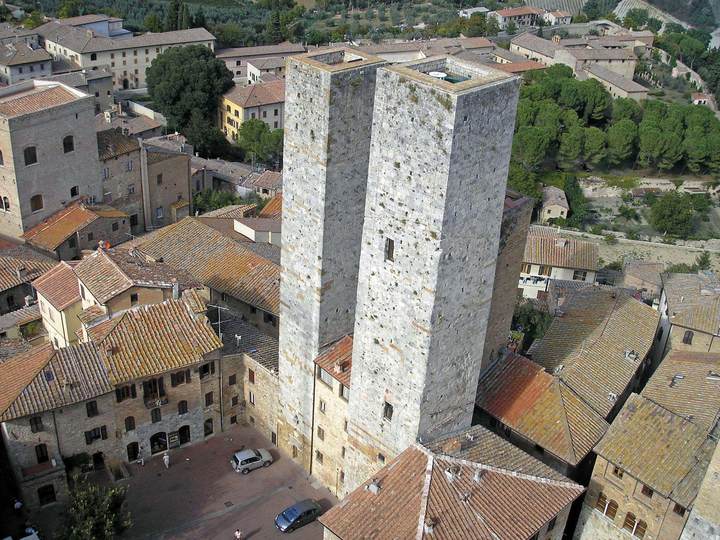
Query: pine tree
x,y
173,15
184,18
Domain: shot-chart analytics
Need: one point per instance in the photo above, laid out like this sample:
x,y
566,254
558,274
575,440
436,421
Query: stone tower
x,y
328,119
438,168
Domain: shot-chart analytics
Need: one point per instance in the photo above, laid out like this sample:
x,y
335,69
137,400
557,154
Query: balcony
x,y
40,468
154,402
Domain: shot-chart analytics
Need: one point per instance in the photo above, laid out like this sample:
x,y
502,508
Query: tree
x,y
511,28
69,8
548,118
186,79
695,148
185,19
597,100
35,19
95,512
526,110
532,322
636,19
199,19
260,142
621,138
594,150
152,23
626,108
172,17
523,181
654,25
672,213
207,140
571,147
273,31
530,147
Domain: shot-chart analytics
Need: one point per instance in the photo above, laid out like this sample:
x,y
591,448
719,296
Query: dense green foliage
x,y
672,214
702,262
95,512
208,200
696,12
185,83
532,322
261,143
572,125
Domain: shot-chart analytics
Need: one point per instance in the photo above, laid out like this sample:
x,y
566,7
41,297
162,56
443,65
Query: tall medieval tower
x,y
441,140
328,119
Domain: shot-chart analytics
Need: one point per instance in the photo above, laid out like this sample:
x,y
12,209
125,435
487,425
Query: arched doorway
x,y
126,84
184,434
133,451
158,442
208,427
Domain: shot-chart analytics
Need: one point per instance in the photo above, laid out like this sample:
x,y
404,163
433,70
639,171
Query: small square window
x,y
251,376
648,492
234,401
387,411
618,472
115,226
134,299
679,510
381,458
208,399
232,380
321,433
318,456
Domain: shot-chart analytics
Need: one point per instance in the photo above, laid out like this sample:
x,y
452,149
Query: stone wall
x,y
422,313
328,117
263,413
55,172
513,233
122,186
167,181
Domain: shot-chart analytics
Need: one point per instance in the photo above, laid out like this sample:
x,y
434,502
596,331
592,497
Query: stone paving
x,y
200,496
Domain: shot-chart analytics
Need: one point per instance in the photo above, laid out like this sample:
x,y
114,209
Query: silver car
x,y
246,460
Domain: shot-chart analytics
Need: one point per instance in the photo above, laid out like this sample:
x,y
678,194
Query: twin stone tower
x,y
393,190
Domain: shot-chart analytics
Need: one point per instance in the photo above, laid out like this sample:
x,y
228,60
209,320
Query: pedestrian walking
x,y
17,504
238,534
166,460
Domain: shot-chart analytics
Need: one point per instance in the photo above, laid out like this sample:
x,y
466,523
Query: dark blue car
x,y
299,514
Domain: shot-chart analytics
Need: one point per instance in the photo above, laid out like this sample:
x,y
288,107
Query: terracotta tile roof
x,y
263,50
480,445
155,338
261,224
688,384
60,226
693,301
561,252
661,449
232,211
645,271
92,314
20,317
35,100
336,359
19,371
218,262
269,62
71,375
15,271
540,407
267,180
554,196
597,344
18,54
258,345
614,78
518,11
257,95
113,143
109,272
460,498
519,67
273,209
536,44
59,286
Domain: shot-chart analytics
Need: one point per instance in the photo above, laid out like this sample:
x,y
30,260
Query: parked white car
x,y
246,460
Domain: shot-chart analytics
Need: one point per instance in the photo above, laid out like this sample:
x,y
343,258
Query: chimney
x,y
374,486
21,272
176,289
479,473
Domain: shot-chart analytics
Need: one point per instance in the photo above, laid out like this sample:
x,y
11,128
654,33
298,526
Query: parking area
x,y
200,496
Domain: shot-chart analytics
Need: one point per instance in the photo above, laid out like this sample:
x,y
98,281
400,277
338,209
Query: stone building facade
x,y
513,233
48,152
328,118
428,263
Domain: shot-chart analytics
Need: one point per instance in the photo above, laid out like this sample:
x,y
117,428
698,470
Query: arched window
x,y
182,407
36,203
688,337
630,522
6,204
68,144
130,423
640,529
607,507
93,56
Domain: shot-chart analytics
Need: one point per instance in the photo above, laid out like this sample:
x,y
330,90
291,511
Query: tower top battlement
x,y
450,74
338,59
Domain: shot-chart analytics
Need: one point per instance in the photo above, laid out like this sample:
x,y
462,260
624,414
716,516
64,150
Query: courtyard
x,y
201,497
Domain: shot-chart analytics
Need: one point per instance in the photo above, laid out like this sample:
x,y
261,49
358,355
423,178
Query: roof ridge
x,y
560,383
425,495
508,472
